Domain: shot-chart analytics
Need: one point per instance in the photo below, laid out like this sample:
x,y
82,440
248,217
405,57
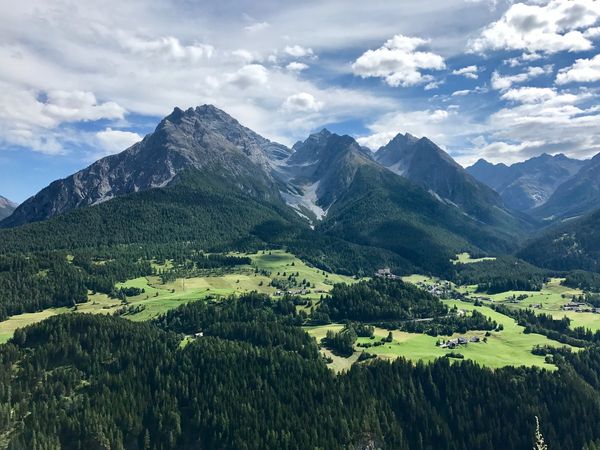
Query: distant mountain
x,y
527,184
426,164
202,138
576,196
6,207
363,202
574,244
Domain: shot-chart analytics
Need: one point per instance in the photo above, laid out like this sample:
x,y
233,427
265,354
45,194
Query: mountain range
x,y
528,184
577,196
6,207
203,174
327,185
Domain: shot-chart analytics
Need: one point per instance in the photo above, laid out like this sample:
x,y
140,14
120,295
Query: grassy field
x,y
159,298
509,347
551,298
97,304
465,258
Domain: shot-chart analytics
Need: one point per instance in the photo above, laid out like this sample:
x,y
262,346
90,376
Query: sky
x,y
495,79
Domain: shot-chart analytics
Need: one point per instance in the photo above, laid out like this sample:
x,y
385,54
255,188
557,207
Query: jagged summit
x,y
426,164
202,138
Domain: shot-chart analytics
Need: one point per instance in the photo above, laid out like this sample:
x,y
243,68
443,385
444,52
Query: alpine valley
x,y
207,288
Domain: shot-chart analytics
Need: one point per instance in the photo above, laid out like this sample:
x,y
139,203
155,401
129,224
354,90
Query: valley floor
x,y
507,347
159,297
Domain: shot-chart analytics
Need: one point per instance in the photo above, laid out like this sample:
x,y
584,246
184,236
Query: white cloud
x,y
298,51
249,76
435,124
167,47
547,120
258,26
398,62
433,85
115,141
558,25
302,101
500,82
296,66
467,72
583,71
74,106
460,93
592,33
499,151
545,96
31,119
244,55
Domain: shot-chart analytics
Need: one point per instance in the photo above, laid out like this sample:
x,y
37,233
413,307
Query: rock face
x,y
578,195
528,184
6,207
320,169
201,138
426,164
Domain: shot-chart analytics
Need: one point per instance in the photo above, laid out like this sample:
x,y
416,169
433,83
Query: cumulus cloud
x,y
298,51
546,119
503,82
592,33
467,72
302,101
398,62
30,119
296,66
583,71
257,26
72,106
435,124
559,25
114,141
250,75
243,55
167,47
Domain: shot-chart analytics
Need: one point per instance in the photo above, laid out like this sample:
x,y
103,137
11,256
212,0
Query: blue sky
x,y
495,79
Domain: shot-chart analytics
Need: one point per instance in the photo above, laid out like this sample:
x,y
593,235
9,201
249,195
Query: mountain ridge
x,y
527,184
426,164
180,141
576,196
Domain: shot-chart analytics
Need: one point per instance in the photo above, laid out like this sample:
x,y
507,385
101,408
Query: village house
x,y
461,340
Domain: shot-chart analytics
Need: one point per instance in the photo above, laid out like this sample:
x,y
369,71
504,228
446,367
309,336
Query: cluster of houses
x,y
440,289
294,292
461,340
386,273
580,307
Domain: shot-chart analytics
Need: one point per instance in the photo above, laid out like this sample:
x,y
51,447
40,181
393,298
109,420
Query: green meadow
x,y
509,347
550,299
158,298
465,258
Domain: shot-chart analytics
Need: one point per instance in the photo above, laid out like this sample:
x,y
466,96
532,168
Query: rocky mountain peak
x,y
202,138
